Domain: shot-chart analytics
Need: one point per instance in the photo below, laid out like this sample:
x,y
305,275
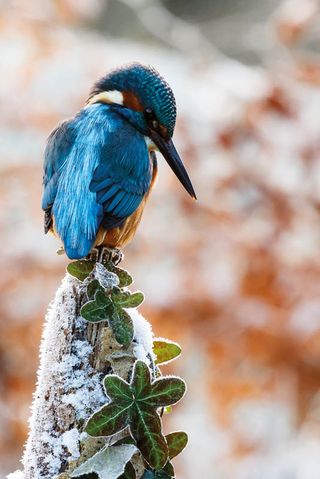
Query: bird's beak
x,y
169,152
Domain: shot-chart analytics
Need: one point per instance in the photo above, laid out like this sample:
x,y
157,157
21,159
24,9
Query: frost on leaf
x,y
122,326
80,269
135,405
125,279
129,472
107,301
106,278
165,350
104,308
99,309
176,441
93,287
109,463
125,299
149,474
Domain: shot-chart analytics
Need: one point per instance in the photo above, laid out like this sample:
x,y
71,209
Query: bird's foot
x,y
116,256
113,255
60,251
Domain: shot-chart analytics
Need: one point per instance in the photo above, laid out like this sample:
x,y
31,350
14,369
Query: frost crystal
x,y
143,338
16,475
68,388
107,279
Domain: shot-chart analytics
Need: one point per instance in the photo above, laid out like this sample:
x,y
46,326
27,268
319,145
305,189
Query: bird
x,y
100,165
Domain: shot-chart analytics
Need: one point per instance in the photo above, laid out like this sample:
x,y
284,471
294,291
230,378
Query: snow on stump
x,y
100,395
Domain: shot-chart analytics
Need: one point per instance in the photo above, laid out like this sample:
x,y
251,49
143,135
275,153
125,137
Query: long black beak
x,y
169,152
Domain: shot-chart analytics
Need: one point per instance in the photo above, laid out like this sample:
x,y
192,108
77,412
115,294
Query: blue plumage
x,y
150,87
97,171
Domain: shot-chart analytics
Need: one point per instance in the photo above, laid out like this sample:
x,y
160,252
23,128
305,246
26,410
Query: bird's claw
x,y
113,255
117,256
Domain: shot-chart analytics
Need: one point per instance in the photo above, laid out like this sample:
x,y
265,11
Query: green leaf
x,y
145,427
122,326
109,463
165,350
118,390
166,473
80,269
125,299
129,472
93,287
135,405
125,440
125,279
165,392
162,475
109,419
148,475
106,278
100,309
168,469
141,380
176,441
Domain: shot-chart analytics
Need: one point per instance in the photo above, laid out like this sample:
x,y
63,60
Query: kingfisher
x,y
100,165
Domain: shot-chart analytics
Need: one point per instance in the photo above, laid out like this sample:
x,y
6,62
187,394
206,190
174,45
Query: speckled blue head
x,y
143,88
144,99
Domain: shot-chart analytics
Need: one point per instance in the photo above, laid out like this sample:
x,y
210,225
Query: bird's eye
x,y
151,119
148,112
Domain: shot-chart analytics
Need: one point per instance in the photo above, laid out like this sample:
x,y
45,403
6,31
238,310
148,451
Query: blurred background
x,y
235,277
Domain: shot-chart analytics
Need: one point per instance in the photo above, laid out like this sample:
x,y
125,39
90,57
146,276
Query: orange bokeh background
x,y
234,277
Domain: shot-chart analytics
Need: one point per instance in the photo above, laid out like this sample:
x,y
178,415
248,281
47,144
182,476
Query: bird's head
x,y
140,95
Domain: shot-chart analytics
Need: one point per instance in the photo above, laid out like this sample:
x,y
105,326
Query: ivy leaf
x,y
114,416
122,326
109,419
129,472
125,440
168,469
100,309
109,463
156,475
166,473
118,389
165,350
176,441
165,392
148,475
106,278
80,269
146,429
125,279
136,405
93,287
141,380
162,475
125,299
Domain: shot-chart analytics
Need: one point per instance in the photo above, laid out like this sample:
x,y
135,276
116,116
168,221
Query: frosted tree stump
x,y
76,356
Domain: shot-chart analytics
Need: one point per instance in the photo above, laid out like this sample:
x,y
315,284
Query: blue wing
x,y
97,171
122,177
58,146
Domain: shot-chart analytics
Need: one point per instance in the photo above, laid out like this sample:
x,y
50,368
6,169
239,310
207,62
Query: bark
x,y
74,357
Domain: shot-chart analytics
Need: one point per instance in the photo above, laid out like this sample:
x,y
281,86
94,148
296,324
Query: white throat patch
x,y
151,146
113,96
